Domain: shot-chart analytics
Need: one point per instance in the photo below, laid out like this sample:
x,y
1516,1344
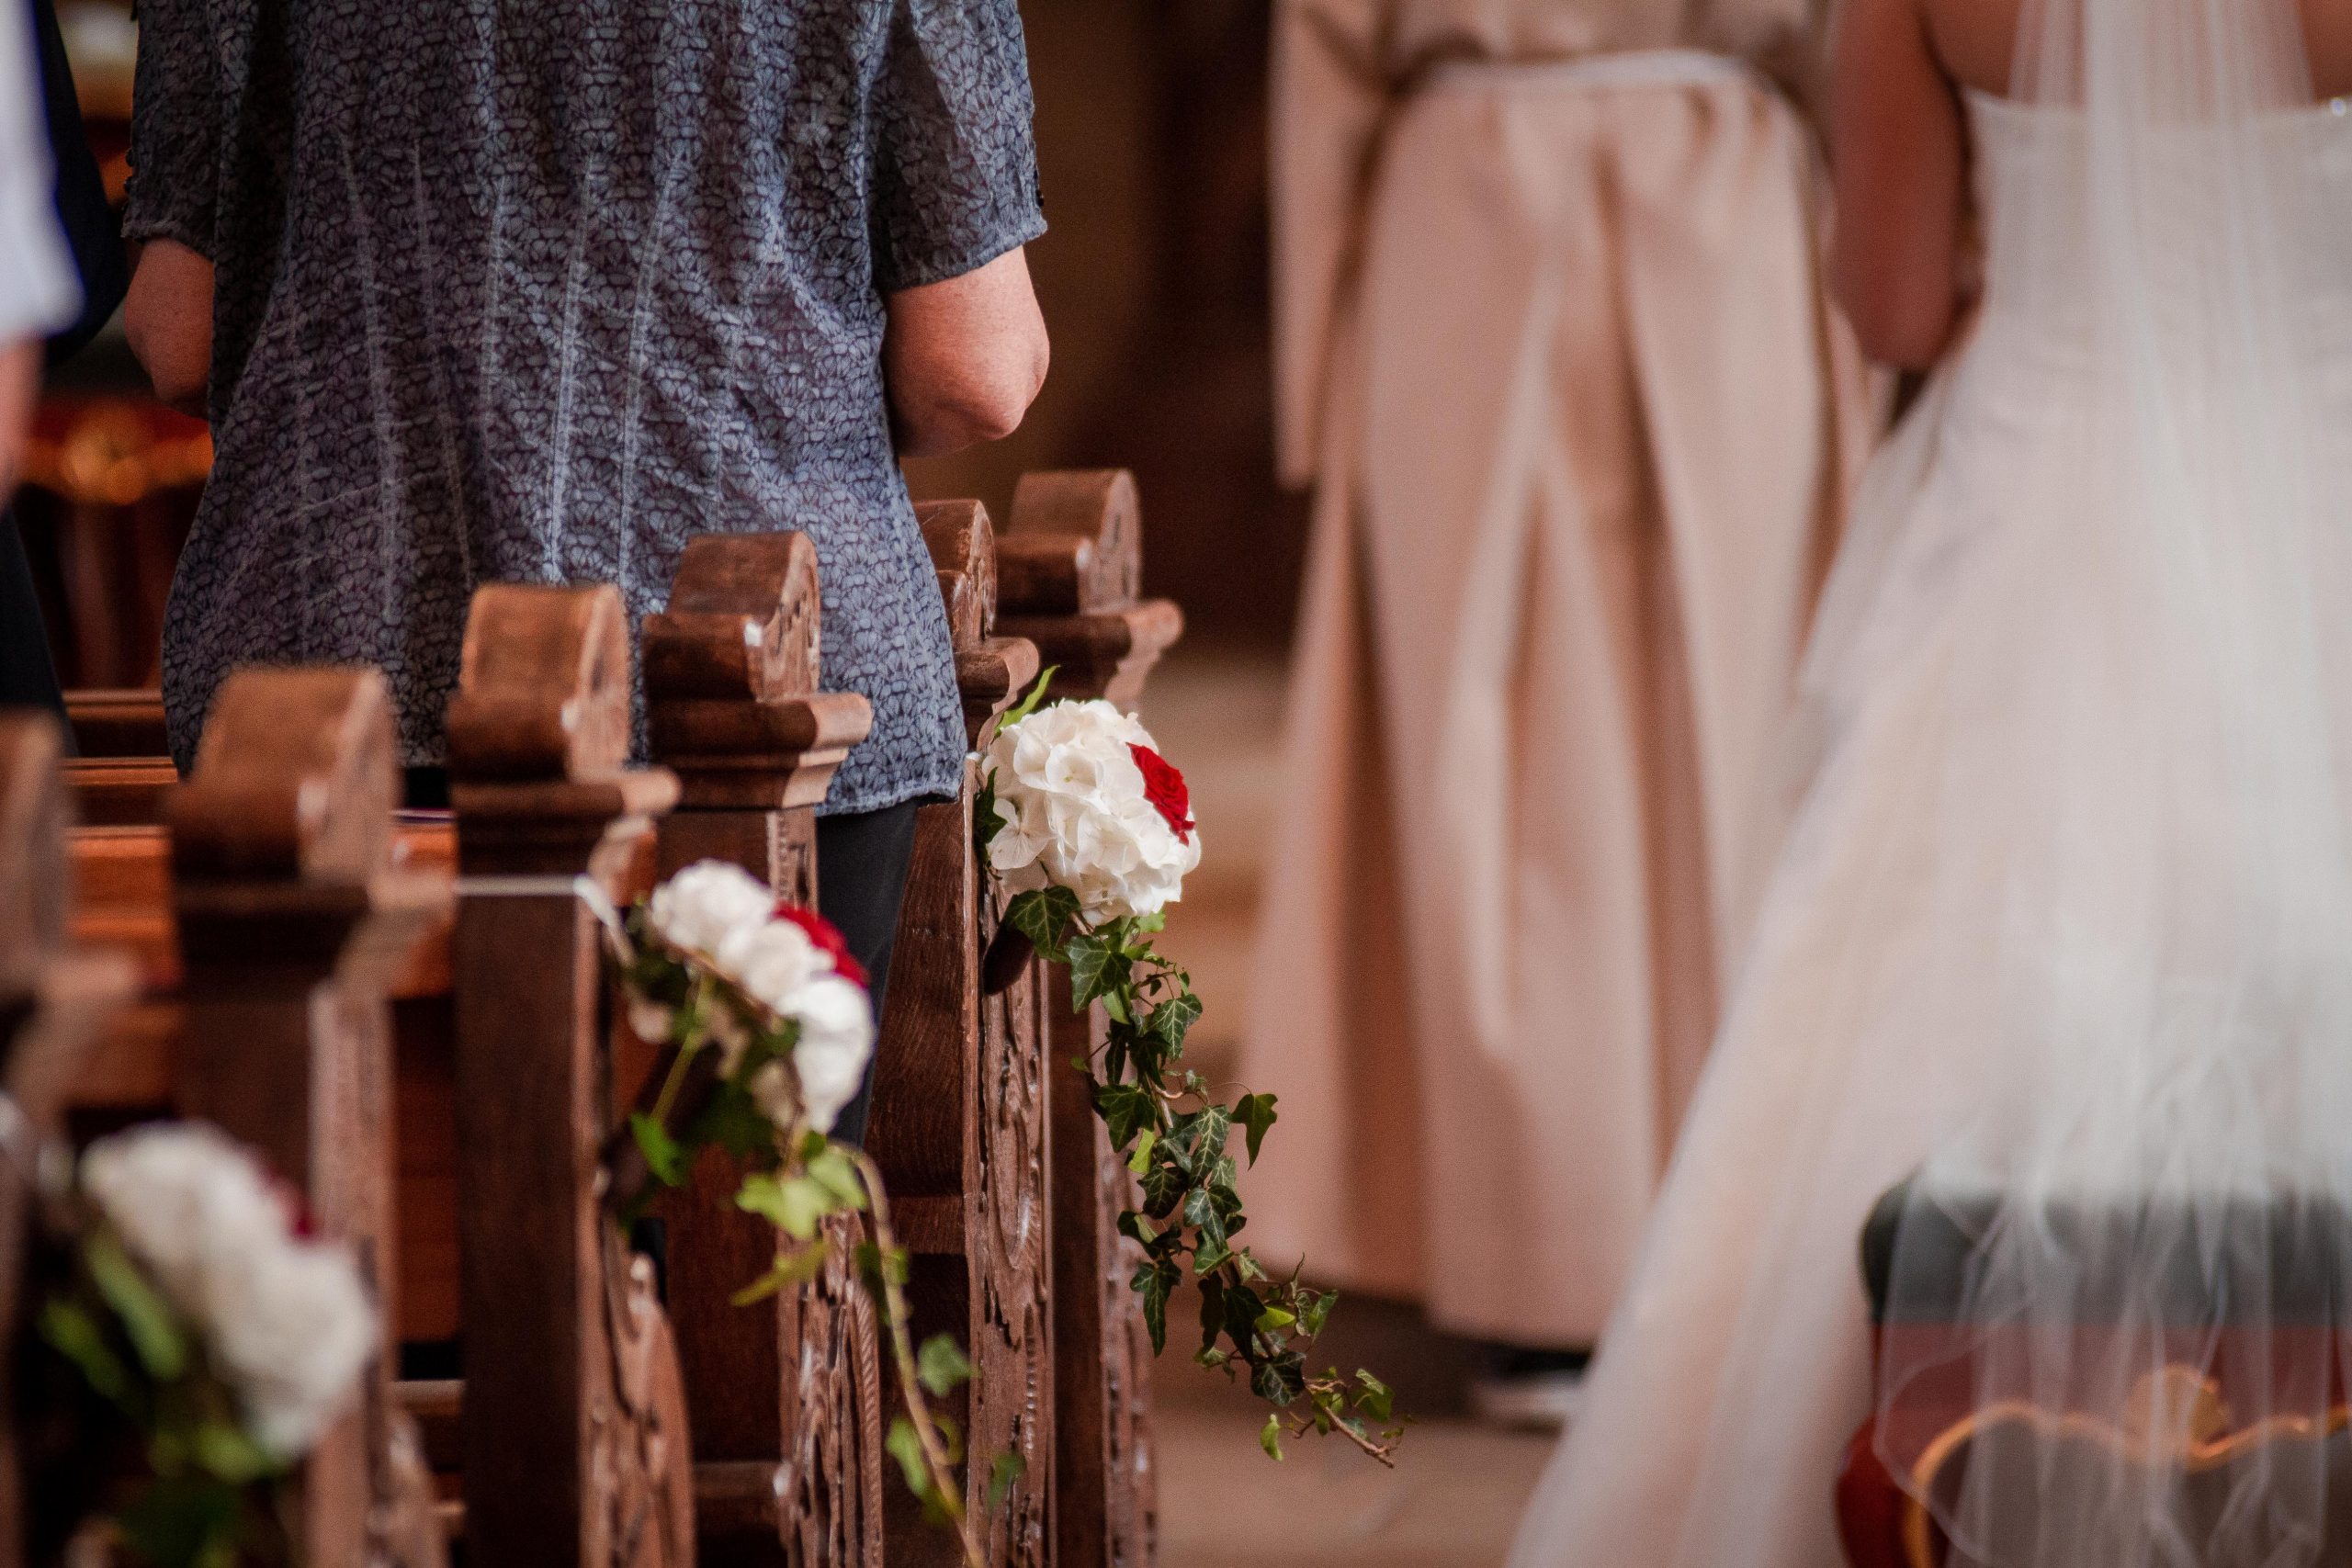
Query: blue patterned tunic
x,y
534,290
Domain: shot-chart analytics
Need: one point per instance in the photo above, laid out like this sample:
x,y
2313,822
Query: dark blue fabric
x,y
534,292
91,227
28,676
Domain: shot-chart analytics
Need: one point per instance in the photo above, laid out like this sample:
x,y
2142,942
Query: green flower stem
x,y
946,1485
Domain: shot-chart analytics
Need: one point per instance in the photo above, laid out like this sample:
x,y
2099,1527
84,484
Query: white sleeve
x,y
39,290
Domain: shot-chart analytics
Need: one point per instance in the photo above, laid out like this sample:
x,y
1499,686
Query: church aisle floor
x,y
1456,1495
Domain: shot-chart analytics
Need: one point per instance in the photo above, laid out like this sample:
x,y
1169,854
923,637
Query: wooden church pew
x,y
120,772
959,1117
787,1396
575,1439
507,1005
1070,570
755,746
55,999
293,921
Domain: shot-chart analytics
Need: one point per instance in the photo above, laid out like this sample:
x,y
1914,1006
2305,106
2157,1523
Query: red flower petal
x,y
1164,787
828,937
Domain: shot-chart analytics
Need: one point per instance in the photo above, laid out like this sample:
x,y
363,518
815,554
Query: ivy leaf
x,y
223,1450
1376,1400
1172,1019
832,1170
153,1328
1163,1186
1256,1113
1153,1282
1269,1437
1090,960
1269,1383
1126,1109
794,1267
1009,1468
73,1334
1043,915
1137,1228
904,1446
1275,1318
663,1156
1142,1157
941,1366
1318,1309
794,1204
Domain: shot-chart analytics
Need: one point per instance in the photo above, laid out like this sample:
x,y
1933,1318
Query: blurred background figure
x,y
1552,345
81,211
55,224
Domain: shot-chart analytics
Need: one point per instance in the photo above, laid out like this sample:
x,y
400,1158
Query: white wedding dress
x,y
2066,913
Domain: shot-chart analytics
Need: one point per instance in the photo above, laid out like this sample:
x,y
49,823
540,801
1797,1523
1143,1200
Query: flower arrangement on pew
x,y
208,1338
767,1027
1091,831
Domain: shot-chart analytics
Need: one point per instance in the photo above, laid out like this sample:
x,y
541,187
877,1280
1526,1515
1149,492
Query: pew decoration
x,y
1091,831
201,1339
766,1027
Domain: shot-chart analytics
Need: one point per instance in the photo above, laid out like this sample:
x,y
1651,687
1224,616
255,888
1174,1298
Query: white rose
x,y
711,907
285,1322
291,1330
1073,811
178,1193
777,961
836,1019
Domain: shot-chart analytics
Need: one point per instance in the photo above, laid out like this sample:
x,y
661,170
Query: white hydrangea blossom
x,y
729,918
286,1321
1074,812
712,909
836,1020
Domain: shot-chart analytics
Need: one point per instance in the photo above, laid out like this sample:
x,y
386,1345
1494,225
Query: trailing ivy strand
x,y
1092,830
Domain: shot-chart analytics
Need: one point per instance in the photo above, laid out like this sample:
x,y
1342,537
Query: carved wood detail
x,y
1078,540
787,1396
960,1122
54,1000
293,921
576,1450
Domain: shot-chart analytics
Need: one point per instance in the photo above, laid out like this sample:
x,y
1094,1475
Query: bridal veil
x,y
2131,1258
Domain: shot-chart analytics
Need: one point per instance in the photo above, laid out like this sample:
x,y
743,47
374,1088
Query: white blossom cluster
x,y
723,916
1074,811
285,1320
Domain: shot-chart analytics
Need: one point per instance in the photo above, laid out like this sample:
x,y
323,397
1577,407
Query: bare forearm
x,y
168,318
963,359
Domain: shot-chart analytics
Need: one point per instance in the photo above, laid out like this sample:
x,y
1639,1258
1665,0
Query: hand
x,y
168,318
964,359
20,384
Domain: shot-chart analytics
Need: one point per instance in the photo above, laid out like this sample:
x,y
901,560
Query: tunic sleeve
x,y
174,128
37,293
956,154
1328,98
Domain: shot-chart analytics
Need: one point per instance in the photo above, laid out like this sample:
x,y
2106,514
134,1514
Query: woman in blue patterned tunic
x,y
477,291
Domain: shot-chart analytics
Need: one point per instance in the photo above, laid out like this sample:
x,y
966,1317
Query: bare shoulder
x,y
1977,40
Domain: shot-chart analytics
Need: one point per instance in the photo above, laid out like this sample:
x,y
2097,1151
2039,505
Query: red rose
x,y
828,937
1164,787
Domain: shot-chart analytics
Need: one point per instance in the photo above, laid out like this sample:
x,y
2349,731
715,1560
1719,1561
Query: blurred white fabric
x,y
39,292
2064,929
